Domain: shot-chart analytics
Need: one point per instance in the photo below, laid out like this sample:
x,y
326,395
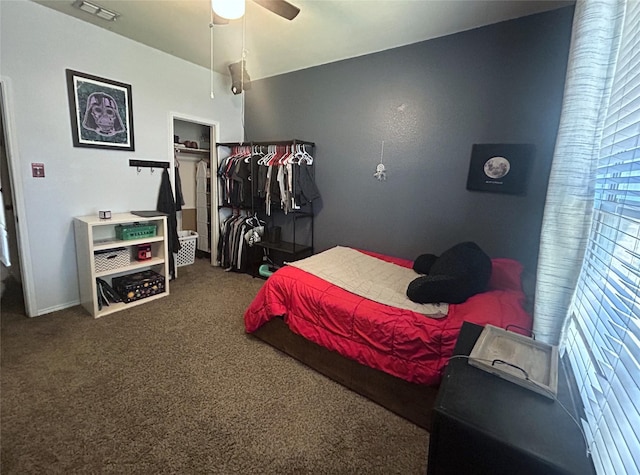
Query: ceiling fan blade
x,y
280,7
218,20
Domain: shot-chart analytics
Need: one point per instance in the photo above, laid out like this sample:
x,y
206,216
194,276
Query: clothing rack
x,y
240,190
276,142
275,189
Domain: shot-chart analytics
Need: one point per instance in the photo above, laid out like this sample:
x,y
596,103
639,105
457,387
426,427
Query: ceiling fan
x,y
225,10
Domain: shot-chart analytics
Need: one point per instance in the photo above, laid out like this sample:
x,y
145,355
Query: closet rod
x,y
276,142
148,164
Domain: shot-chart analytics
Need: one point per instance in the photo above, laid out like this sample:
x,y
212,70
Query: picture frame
x,y
101,112
500,168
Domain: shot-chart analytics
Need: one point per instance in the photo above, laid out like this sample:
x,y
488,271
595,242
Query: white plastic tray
x,y
517,358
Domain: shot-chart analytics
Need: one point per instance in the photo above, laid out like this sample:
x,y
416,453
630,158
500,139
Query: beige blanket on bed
x,y
368,277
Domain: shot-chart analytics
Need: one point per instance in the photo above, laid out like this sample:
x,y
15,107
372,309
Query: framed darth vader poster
x,y
101,112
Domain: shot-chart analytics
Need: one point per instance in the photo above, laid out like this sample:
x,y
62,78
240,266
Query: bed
x,y
393,356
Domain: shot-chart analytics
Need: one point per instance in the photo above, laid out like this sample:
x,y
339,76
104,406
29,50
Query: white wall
x,y
37,44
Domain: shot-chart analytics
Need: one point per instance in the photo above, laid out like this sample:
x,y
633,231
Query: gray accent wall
x,y
429,102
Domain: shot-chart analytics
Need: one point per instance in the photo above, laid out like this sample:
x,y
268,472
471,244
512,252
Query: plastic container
x,y
135,231
187,253
266,270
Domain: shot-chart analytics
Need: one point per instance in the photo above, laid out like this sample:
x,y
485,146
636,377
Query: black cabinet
x,y
483,424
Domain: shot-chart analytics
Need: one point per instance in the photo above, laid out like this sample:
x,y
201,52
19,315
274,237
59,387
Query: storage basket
x,y
137,286
135,231
187,253
111,259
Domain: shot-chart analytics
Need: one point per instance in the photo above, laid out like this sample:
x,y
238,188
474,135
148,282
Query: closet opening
x,y
193,145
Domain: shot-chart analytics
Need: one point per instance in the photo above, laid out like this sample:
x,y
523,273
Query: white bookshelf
x,y
94,234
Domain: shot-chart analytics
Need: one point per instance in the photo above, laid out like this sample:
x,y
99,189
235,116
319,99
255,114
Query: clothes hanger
x,y
298,155
255,150
264,160
248,152
303,155
275,159
286,153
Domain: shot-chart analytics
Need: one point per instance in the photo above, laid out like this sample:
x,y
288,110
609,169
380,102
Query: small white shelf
x,y
116,307
112,243
94,234
134,266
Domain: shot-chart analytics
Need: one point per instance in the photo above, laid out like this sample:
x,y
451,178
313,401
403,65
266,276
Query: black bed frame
x,y
412,401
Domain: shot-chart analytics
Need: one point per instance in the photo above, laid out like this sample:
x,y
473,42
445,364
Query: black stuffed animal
x,y
460,272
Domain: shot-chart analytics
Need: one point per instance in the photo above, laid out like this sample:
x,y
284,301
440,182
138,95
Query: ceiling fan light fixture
x,y
240,80
229,9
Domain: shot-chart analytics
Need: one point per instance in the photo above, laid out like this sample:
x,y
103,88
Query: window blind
x,y
602,338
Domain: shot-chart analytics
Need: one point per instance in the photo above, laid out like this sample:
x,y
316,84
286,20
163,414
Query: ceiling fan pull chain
x,y
242,62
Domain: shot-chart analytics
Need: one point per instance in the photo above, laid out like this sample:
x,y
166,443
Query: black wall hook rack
x,y
148,164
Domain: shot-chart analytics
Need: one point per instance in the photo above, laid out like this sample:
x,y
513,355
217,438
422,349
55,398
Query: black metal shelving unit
x,y
283,250
294,249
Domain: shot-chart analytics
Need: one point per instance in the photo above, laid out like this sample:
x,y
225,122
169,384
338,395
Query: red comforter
x,y
403,343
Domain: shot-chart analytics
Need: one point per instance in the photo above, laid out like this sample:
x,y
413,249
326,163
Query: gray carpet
x,y
176,386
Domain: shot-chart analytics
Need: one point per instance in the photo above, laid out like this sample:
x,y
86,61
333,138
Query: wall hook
x,y
140,164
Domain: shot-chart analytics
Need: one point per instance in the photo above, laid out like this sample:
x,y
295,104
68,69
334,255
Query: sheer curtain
x,y
589,269
602,337
570,194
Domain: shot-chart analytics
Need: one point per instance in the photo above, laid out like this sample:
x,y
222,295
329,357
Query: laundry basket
x,y
187,253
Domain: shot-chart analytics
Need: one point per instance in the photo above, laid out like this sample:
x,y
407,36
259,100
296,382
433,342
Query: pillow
x,y
505,275
458,273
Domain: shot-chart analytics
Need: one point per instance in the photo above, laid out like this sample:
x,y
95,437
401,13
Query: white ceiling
x,y
323,32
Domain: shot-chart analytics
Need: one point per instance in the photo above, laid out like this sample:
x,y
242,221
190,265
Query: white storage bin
x,y
187,253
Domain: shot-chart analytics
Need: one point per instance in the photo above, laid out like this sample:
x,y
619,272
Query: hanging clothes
x,y
235,176
304,186
285,179
167,204
203,207
179,196
236,244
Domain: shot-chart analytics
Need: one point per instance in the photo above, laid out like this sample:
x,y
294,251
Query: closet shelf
x,y
200,151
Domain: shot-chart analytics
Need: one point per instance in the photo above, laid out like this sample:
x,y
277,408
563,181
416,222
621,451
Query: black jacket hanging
x,y
179,197
167,204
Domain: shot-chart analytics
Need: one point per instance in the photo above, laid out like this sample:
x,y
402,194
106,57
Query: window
x,y
602,338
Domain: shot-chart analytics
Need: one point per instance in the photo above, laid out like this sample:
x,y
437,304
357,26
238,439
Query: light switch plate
x,y
37,170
